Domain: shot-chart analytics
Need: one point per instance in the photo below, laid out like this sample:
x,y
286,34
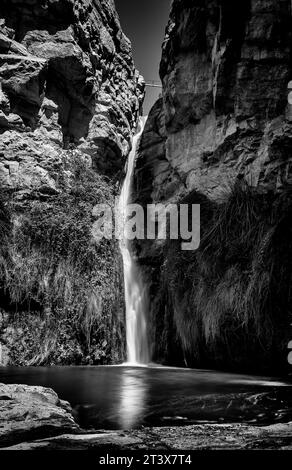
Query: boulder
x,y
28,412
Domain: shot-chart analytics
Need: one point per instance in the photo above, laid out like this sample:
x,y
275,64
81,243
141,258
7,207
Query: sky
x,y
144,22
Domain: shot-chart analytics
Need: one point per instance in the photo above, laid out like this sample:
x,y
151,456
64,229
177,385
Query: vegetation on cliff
x,y
59,288
231,299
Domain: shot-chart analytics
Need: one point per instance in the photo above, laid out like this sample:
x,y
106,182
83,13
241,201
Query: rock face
x,y
67,77
221,137
70,97
30,412
225,73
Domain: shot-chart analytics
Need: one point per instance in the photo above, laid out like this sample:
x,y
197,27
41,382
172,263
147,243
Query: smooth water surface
x,y
123,397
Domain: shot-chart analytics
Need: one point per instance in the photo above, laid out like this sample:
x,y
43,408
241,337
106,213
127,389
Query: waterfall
x,y
135,290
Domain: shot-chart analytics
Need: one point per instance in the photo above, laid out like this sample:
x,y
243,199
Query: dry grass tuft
x,y
232,298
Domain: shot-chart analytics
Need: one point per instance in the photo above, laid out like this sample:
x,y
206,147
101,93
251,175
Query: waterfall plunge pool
x,y
128,397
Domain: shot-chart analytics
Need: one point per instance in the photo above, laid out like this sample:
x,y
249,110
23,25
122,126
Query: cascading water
x,y
135,290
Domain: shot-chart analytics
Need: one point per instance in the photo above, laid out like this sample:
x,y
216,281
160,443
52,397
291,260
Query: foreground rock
x,y
29,412
200,437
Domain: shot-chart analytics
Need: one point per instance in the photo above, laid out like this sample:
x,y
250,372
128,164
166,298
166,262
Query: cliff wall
x,y
70,97
221,136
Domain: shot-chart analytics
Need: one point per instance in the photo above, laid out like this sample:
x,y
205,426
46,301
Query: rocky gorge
x,y
220,136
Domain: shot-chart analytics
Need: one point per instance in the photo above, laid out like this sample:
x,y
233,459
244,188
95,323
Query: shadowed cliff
x,y
221,137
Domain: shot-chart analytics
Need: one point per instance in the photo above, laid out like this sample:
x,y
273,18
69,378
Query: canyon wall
x,y
221,136
70,97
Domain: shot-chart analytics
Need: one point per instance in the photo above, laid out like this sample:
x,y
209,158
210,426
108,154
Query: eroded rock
x,y
75,56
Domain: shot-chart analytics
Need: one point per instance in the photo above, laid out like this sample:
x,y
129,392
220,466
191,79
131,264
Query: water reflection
x,y
128,397
133,398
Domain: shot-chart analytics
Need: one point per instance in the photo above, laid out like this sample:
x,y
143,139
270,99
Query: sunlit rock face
x,y
225,69
67,80
223,119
